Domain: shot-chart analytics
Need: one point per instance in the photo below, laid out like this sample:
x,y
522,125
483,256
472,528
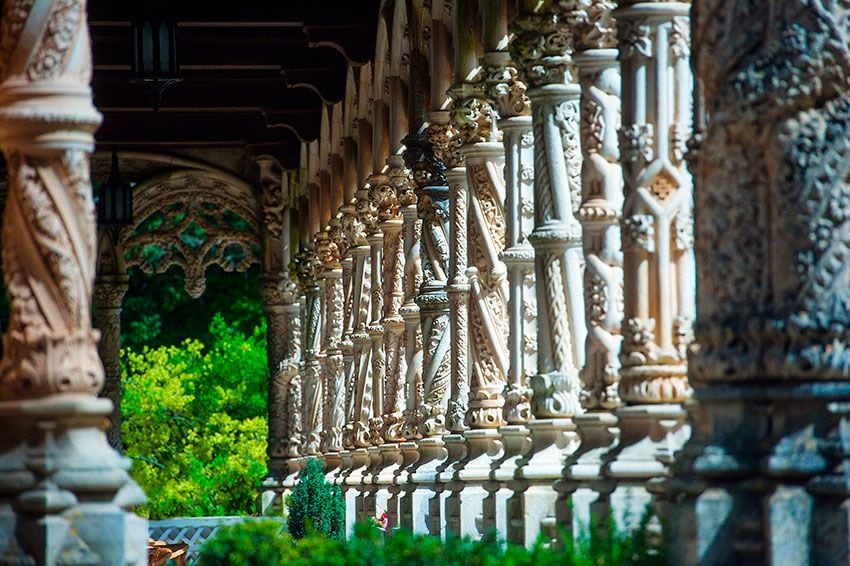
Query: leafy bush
x,y
316,505
195,423
370,545
251,542
157,311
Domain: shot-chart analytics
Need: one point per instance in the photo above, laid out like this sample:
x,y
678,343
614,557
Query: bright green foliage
x,y
251,542
316,505
371,546
157,311
195,423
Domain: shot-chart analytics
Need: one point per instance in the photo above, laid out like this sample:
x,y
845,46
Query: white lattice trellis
x,y
195,531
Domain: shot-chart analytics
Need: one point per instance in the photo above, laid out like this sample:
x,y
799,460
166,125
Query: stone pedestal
x,y
484,449
403,484
425,504
516,443
448,486
552,441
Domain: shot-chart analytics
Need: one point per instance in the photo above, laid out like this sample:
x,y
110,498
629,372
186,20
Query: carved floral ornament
x,y
192,220
595,27
542,47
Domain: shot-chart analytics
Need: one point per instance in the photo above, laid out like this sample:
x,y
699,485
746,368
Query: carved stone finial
x,y
365,208
401,181
307,267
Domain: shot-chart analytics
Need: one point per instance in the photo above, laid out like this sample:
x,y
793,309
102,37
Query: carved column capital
x,y
109,291
593,21
473,115
273,200
308,269
542,47
277,289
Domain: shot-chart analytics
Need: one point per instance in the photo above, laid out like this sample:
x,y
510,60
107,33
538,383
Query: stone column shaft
x,y
764,478
64,492
109,291
519,261
657,219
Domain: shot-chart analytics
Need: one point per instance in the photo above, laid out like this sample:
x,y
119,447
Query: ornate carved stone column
x,y
769,482
333,377
308,266
428,160
374,328
109,291
657,241
386,198
542,48
63,490
280,303
594,33
514,109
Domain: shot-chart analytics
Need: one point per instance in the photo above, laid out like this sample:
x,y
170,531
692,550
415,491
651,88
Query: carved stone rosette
x,y
771,372
428,157
519,261
109,291
64,492
602,198
542,47
657,217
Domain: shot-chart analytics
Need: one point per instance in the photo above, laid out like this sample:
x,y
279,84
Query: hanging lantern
x,y
155,66
115,199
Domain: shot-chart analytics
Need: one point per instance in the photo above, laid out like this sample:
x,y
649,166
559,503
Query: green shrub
x,y
371,546
195,423
259,543
316,505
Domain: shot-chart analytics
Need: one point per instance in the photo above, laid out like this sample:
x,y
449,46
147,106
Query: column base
x,y
448,487
425,504
768,481
63,490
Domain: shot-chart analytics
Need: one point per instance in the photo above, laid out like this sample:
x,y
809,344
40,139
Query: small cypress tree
x,y
316,505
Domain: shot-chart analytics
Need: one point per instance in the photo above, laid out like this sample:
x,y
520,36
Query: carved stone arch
x,y
349,107
324,175
400,42
381,97
110,256
441,54
193,219
364,123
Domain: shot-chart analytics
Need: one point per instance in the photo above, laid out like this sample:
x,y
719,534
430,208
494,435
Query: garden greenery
x,y
316,506
261,543
194,423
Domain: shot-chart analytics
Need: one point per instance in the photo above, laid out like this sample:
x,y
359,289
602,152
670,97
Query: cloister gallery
x,y
521,263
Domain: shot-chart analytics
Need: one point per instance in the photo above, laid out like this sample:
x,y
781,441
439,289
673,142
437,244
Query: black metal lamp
x,y
115,199
155,65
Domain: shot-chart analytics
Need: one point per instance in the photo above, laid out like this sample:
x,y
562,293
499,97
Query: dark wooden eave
x,y
256,74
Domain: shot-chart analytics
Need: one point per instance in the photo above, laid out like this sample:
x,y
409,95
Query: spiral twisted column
x,y
62,487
